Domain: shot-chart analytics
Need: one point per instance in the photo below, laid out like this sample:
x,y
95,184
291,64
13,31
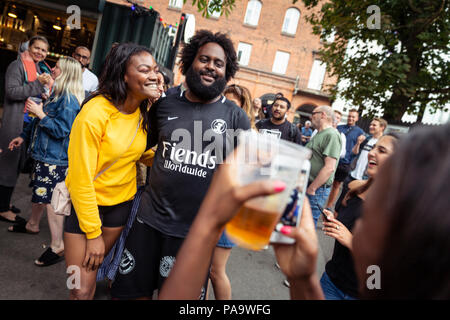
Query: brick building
x,y
276,48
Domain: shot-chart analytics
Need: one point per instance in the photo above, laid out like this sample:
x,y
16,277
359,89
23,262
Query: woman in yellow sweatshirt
x,y
108,137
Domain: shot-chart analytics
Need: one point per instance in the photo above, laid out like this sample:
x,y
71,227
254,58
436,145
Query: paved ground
x,y
253,275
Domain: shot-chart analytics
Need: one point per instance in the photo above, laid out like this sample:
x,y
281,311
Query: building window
x,y
177,4
214,14
291,21
281,62
243,53
252,13
317,75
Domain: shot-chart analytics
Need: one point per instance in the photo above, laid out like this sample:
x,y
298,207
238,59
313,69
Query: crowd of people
x,y
374,191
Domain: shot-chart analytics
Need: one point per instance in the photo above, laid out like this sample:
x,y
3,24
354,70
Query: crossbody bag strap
x,y
135,134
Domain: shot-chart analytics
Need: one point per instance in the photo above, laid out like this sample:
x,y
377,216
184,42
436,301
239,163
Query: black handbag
x,y
26,162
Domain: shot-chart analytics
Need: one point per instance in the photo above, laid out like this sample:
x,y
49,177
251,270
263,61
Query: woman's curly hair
x,y
203,37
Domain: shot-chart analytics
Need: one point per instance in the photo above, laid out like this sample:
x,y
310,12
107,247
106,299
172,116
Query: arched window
x,y
291,21
252,13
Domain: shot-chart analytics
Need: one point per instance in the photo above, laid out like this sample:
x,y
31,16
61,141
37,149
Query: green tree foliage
x,y
408,71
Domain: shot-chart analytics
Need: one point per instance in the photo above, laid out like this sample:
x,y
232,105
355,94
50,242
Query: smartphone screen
x,y
292,214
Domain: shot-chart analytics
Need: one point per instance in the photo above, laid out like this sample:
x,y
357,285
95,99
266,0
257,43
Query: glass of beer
x,y
262,157
36,100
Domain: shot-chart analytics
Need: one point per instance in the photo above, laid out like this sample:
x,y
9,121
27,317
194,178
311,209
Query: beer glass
x,y
261,157
36,100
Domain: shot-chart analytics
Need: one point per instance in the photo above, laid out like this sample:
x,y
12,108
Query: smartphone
x,y
323,213
292,214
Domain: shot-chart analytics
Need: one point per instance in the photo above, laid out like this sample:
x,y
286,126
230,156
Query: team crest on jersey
x,y
166,265
127,263
219,126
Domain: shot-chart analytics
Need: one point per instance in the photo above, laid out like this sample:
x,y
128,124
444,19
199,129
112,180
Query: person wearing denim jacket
x,y
48,136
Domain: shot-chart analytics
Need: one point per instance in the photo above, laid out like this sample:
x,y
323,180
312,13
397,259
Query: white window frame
x,y
176,4
290,23
317,75
246,51
214,14
281,62
253,13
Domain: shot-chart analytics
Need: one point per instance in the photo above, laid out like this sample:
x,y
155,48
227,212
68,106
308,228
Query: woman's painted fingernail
x,y
279,186
286,230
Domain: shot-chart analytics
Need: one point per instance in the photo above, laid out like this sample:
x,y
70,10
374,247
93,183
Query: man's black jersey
x,y
193,139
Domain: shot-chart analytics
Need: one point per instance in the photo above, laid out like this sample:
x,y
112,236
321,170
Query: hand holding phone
x,y
325,216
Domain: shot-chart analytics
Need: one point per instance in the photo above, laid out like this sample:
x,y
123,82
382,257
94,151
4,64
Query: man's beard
x,y
278,117
201,91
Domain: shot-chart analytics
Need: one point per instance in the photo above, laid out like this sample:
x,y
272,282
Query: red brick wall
x,y
266,39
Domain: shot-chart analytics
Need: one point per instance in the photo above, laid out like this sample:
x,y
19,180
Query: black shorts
x,y
111,217
342,172
147,259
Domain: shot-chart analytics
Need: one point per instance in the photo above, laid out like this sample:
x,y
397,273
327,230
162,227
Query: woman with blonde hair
x,y
242,97
49,136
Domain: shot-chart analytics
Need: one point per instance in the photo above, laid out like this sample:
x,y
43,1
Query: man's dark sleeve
x,y
258,124
298,137
243,122
153,133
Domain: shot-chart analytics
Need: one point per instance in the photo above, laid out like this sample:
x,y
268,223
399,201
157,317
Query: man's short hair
x,y
82,47
338,112
327,111
383,123
354,110
203,37
279,96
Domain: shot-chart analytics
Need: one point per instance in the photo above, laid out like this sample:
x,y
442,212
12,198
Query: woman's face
x,y
141,77
38,50
56,71
234,98
378,155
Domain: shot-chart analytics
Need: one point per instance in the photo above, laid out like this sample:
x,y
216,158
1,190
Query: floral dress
x,y
45,177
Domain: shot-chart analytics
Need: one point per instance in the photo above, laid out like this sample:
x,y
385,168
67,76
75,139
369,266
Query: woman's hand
x,y
34,108
15,143
335,229
44,78
95,252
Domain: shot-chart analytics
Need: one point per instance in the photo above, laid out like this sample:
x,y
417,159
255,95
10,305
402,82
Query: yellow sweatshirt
x,y
100,135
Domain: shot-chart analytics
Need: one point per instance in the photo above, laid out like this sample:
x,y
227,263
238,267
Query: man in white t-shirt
x,y
364,145
90,80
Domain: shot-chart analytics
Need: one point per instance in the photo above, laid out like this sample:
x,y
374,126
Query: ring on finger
x,y
337,227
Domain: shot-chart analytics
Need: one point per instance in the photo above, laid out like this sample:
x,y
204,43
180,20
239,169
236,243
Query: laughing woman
x,y
108,137
48,137
339,281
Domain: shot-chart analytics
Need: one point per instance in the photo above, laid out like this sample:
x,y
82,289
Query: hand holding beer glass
x,y
35,108
262,157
